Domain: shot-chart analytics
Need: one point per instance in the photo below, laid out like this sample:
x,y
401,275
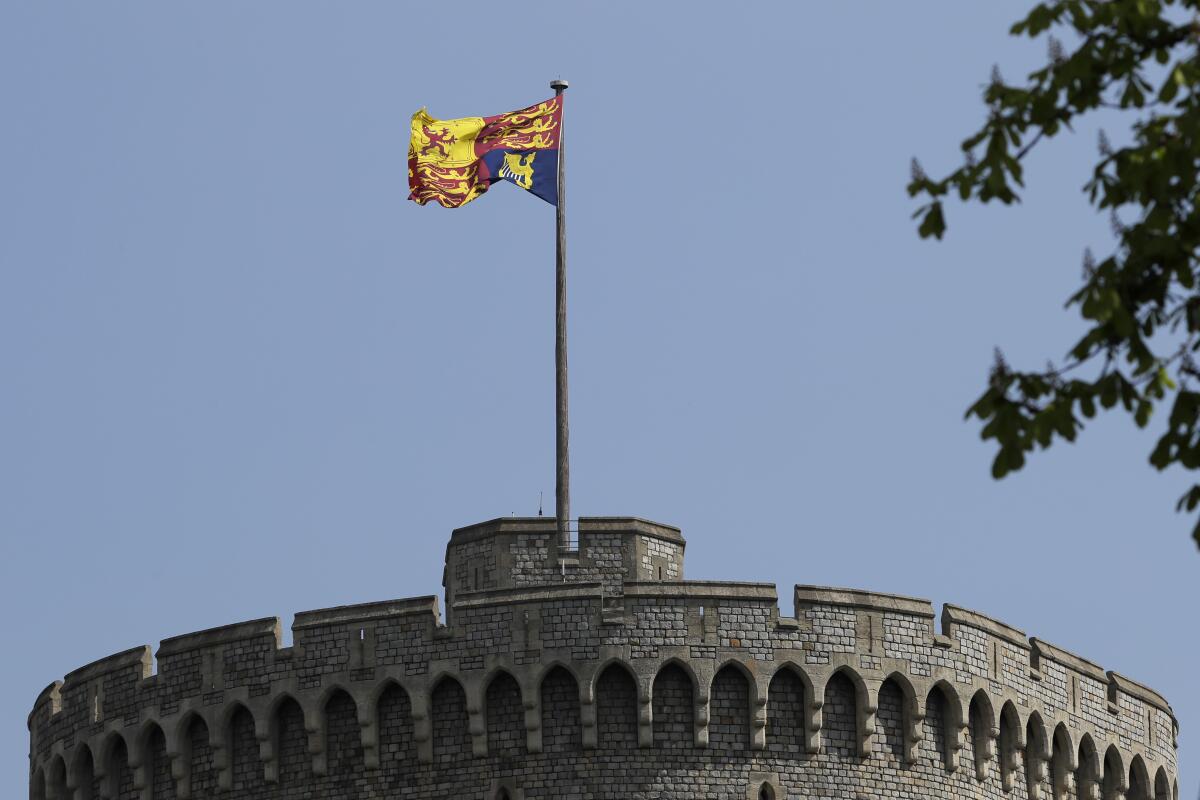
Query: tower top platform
x,y
525,552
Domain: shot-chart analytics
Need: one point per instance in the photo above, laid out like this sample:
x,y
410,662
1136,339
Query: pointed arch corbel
x,y
1115,782
645,710
587,708
314,729
368,718
955,722
37,784
1037,755
756,692
179,751
985,734
56,776
1089,772
422,724
1162,784
913,716
78,784
102,758
474,693
814,702
868,711
367,713
759,687
642,688
814,719
266,731
220,736
956,732
865,708
1062,777
316,726
1139,776
810,706
587,718
702,677
1011,745
138,750
531,705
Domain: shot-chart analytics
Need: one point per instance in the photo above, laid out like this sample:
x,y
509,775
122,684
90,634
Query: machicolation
x,y
594,670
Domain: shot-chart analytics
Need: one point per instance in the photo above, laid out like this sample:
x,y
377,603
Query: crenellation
x,y
1045,651
956,617
833,630
659,559
582,673
1093,703
746,628
658,625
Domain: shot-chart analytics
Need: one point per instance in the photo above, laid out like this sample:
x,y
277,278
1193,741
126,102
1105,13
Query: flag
x,y
453,161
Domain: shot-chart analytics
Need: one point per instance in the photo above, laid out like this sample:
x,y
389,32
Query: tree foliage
x,y
1141,304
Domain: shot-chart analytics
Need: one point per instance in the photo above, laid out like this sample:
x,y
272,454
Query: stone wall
x,y
666,689
551,692
514,552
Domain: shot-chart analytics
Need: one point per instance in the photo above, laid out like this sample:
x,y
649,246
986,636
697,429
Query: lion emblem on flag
x,y
519,169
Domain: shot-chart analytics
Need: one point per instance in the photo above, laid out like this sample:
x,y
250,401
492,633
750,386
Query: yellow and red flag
x,y
453,161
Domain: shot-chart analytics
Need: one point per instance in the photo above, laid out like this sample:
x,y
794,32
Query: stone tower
x,y
592,669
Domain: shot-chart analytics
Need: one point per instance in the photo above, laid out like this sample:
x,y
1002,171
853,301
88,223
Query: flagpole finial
x,y
558,84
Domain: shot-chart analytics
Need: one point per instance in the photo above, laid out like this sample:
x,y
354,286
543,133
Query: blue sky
x,y
243,376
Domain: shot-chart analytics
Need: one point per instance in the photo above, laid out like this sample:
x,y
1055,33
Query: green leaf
x,y
934,224
1169,88
1000,465
1190,500
1142,416
1108,394
1088,406
1164,380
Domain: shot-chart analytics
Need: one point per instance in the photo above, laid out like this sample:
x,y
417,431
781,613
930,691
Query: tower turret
x,y
521,552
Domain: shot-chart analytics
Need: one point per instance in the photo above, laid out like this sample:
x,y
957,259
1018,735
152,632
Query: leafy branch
x,y
1141,303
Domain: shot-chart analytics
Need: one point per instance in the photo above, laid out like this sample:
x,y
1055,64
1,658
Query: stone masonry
x,y
596,672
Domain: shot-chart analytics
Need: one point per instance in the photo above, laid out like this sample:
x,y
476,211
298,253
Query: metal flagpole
x,y
562,481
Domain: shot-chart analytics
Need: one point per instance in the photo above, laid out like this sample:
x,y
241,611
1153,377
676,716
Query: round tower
x,y
589,669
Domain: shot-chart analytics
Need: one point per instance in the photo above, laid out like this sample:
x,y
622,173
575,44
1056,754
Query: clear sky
x,y
242,376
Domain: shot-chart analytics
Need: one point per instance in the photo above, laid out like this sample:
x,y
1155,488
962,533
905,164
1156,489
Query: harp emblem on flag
x,y
519,169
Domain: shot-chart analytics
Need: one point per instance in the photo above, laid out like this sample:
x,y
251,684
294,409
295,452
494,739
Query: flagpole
x,y
562,479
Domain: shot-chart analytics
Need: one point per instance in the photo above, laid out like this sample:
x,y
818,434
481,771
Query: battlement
x,y
510,552
268,631
854,683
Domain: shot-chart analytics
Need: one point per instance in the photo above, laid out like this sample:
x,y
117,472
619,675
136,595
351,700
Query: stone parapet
x,y
664,689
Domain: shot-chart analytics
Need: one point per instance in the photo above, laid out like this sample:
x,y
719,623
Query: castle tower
x,y
590,669
524,552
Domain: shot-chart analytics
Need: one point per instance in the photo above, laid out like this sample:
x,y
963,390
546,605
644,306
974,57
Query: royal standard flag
x,y
453,161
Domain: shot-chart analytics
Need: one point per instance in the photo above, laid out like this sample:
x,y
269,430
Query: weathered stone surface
x,y
598,672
